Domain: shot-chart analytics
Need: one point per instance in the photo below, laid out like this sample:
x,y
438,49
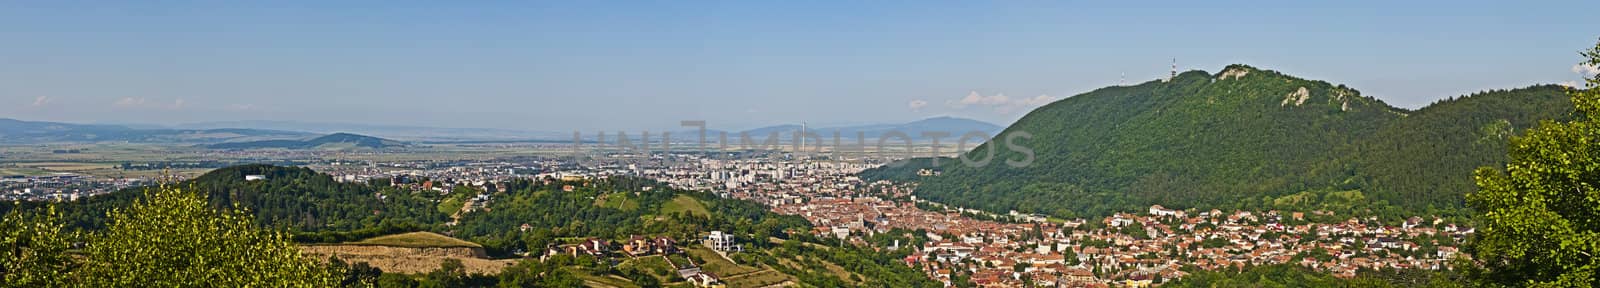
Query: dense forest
x,y
1241,139
292,198
611,209
168,237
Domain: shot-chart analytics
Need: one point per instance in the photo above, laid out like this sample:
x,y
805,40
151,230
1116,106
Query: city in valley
x,y
950,244
770,144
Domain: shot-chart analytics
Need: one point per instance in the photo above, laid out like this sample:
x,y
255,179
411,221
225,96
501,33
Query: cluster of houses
x,y
637,245
642,246
61,186
1070,254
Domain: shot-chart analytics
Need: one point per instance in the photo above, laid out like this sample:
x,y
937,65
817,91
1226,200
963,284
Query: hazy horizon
x,y
589,66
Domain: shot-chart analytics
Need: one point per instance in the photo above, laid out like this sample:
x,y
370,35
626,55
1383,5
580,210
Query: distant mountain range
x,y
29,132
955,127
1244,138
335,141
414,133
952,126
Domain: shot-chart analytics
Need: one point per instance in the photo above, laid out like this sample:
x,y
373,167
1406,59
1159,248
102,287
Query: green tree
x,y
388,280
171,238
1540,217
33,247
451,273
561,278
359,274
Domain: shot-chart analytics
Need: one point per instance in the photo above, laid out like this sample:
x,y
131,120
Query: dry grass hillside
x,y
416,252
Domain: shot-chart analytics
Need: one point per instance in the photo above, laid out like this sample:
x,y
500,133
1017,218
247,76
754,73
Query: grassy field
x,y
685,204
99,159
607,281
761,278
656,266
99,152
678,260
617,200
715,264
23,171
69,166
834,269
417,240
736,275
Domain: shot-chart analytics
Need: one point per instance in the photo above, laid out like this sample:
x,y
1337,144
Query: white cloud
x,y
129,102
242,107
41,101
145,103
978,99
1000,103
1572,84
1585,70
1037,100
1025,104
917,104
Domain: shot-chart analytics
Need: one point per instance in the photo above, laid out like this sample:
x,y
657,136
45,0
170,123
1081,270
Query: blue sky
x,y
563,65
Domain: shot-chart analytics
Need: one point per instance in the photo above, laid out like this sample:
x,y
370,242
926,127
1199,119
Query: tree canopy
x,y
1539,217
168,237
35,250
1244,138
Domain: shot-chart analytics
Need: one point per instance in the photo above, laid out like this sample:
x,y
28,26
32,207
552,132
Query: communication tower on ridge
x,y
1174,70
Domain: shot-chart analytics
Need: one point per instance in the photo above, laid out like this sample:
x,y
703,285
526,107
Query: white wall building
x,y
723,242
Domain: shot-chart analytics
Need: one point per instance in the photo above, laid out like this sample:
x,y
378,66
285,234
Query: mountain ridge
x,y
1240,138
22,131
335,141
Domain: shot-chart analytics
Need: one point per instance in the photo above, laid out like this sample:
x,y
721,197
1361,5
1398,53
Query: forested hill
x,y
290,197
1426,160
333,141
1242,138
